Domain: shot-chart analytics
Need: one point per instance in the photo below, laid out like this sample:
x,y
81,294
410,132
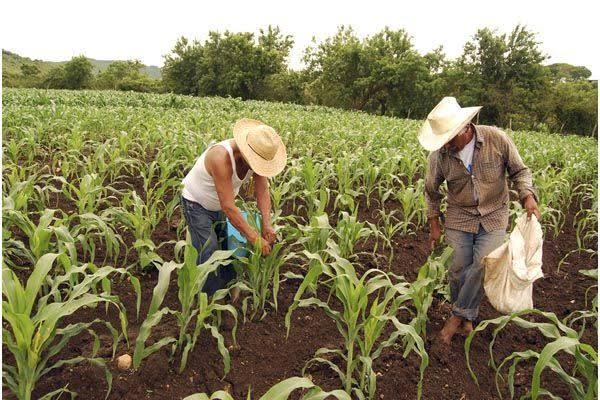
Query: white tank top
x,y
199,186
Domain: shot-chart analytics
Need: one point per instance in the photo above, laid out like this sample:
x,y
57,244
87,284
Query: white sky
x,y
57,30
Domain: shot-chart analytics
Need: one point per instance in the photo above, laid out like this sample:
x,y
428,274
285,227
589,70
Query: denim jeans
x,y
466,271
208,231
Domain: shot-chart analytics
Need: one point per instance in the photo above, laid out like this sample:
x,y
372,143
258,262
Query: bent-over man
x,y
209,190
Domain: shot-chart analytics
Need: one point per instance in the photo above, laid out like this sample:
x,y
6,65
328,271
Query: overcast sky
x,y
57,30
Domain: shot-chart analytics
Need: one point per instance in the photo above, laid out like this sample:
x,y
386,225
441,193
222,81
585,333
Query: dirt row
x,y
265,356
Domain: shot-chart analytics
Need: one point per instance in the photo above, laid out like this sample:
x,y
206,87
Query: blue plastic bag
x,y
235,240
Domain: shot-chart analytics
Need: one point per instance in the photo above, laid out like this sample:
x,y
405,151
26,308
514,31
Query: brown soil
x,y
265,356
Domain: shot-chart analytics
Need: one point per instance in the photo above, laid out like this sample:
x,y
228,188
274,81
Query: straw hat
x,y
444,122
261,146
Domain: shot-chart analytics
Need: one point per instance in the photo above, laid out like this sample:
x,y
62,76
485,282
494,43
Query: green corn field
x,y
97,263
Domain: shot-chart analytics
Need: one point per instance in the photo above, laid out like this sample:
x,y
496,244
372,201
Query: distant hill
x,y
11,64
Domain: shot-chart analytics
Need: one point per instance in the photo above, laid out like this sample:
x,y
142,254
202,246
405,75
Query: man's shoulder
x,y
434,155
490,130
217,156
491,133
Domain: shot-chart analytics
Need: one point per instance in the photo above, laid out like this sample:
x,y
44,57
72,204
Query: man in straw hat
x,y
209,190
474,161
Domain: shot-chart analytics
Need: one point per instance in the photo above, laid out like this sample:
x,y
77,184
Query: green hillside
x,y
11,65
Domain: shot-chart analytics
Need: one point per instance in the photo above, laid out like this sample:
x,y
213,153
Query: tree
x,y
54,78
180,72
29,71
77,73
227,64
286,86
382,73
116,72
562,72
334,66
396,74
125,75
503,74
576,107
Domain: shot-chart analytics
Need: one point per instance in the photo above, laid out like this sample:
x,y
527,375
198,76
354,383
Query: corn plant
x,y
281,391
315,193
412,204
33,332
259,276
347,178
349,232
389,227
591,311
88,194
18,195
315,236
92,228
39,236
430,281
370,176
281,192
583,378
197,312
141,219
362,322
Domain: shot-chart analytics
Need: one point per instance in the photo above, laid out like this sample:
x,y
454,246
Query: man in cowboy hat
x,y
474,161
209,190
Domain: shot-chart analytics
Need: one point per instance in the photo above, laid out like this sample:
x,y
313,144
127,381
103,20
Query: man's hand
x,y
265,247
531,207
268,233
435,232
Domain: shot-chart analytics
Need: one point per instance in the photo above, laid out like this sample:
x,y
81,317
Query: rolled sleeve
x,y
433,180
518,173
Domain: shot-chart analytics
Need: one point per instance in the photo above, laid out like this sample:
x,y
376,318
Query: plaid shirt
x,y
495,155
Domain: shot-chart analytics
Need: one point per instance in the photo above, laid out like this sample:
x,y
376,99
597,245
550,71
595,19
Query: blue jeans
x,y
208,231
466,271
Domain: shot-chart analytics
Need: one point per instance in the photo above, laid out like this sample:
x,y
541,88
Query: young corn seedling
x,y
347,177
315,193
281,391
20,194
39,236
141,219
349,231
93,228
369,305
197,312
389,227
281,192
582,380
370,177
32,330
430,280
591,311
259,276
88,194
413,206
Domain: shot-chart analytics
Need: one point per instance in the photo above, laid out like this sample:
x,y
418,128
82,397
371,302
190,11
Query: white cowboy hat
x,y
444,122
261,146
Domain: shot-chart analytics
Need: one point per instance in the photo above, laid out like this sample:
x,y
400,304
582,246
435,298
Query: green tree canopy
x,y
562,72
227,64
77,73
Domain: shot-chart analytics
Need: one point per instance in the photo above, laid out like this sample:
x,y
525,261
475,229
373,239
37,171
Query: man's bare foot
x,y
450,328
466,327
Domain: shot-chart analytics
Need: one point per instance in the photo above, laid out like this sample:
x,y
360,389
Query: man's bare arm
x,y
263,199
218,165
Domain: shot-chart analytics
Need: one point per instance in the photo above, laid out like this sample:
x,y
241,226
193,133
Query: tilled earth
x,y
264,355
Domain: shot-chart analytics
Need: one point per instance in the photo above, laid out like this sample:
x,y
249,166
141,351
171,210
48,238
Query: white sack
x,y
511,269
